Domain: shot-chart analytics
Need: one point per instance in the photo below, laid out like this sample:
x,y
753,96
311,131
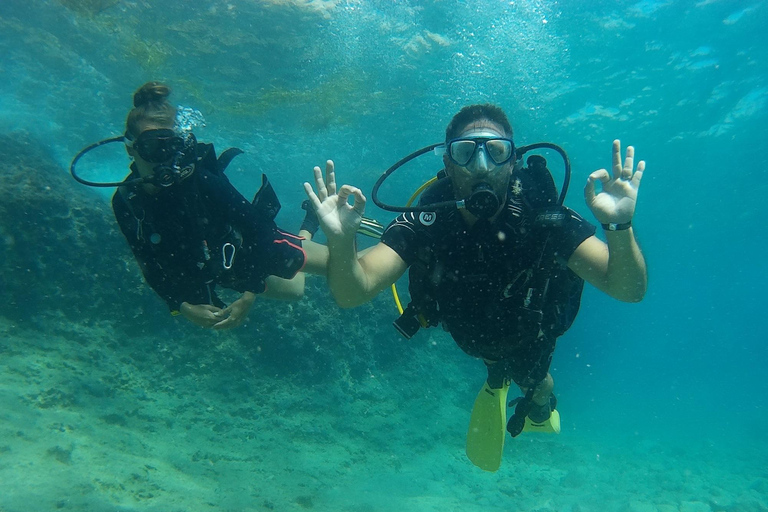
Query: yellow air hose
x,y
410,201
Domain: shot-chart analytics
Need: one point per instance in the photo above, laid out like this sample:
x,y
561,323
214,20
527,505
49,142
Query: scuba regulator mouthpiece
x,y
482,202
174,153
166,175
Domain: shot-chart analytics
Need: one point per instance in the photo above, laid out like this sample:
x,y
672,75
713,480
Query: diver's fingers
x,y
359,201
348,190
224,319
227,323
589,191
209,317
312,196
616,159
600,175
322,191
629,164
330,177
638,174
344,193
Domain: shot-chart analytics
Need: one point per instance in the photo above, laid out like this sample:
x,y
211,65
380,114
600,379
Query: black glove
x,y
311,223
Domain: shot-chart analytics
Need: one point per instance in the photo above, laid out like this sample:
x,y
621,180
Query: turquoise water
x,y
107,403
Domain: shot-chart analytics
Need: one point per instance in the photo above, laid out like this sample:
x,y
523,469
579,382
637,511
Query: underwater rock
x,y
63,455
59,248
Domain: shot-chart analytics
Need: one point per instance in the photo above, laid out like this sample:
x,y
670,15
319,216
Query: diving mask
x,y
162,145
499,150
173,153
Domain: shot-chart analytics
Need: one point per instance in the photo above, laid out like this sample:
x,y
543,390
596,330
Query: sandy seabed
x,y
84,427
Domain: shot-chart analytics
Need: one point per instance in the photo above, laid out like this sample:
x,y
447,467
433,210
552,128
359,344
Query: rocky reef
x,y
61,251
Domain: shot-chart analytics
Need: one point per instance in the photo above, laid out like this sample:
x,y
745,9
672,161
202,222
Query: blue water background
x,y
366,82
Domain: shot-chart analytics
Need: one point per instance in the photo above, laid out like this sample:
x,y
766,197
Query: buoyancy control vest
x,y
265,202
545,302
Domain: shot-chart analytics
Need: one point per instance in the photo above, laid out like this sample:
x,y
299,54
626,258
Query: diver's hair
x,y
150,104
472,113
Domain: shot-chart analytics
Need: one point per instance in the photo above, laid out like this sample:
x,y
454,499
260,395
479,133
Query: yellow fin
x,y
551,426
487,428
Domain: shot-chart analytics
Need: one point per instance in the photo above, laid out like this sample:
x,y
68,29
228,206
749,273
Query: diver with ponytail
x,y
190,230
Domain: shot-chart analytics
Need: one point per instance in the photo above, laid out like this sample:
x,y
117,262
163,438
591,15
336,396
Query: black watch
x,y
612,226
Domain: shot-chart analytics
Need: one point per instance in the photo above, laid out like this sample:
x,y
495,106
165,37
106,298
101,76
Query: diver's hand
x,y
203,315
338,218
616,202
236,313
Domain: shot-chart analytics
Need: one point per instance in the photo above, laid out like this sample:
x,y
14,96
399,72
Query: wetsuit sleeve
x,y
173,286
402,236
573,232
272,250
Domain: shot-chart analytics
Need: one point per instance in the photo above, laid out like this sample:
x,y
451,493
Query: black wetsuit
x,y
185,236
481,276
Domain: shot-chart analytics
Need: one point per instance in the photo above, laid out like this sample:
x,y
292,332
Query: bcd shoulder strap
x,y
265,200
206,157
